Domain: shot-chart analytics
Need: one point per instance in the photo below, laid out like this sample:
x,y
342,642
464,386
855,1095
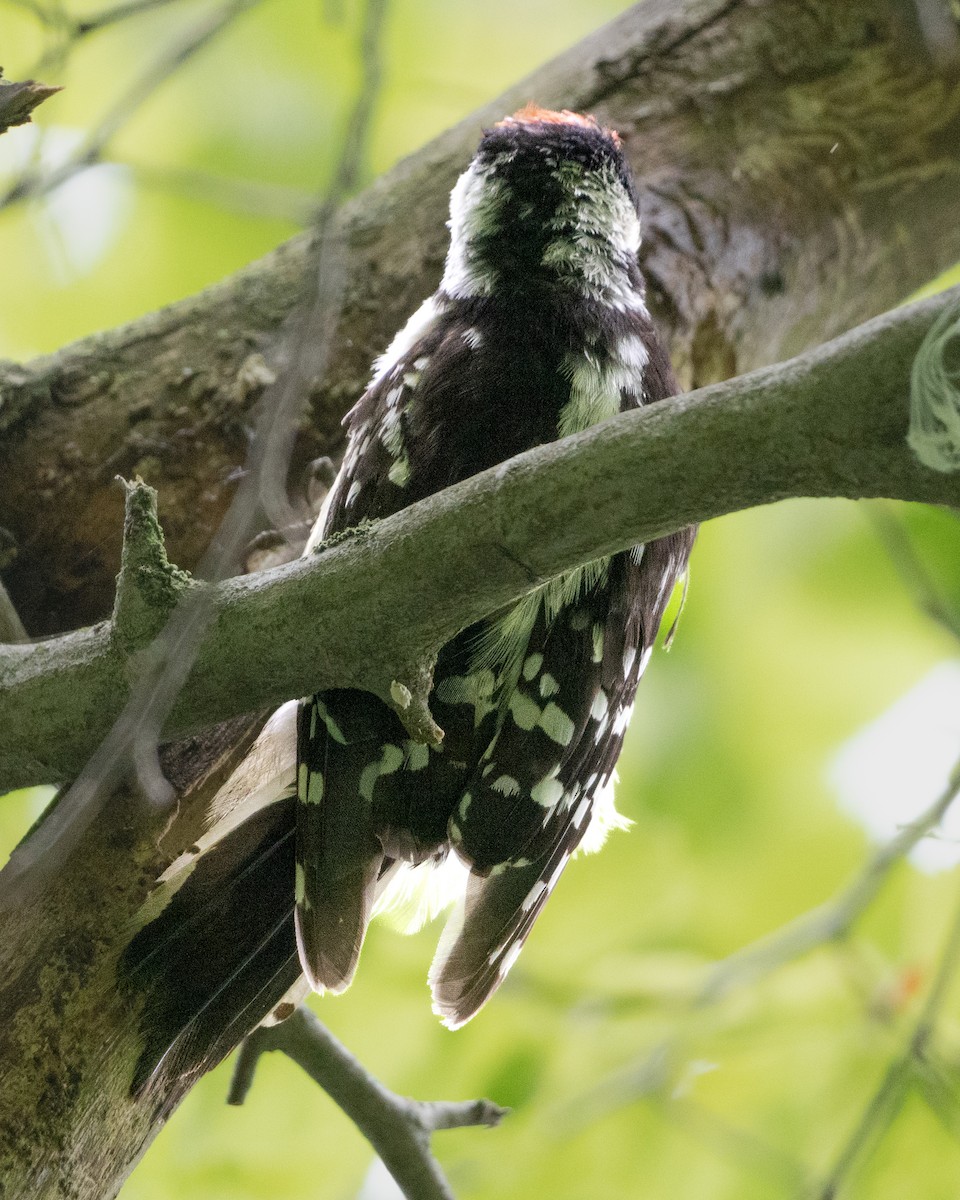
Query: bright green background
x,y
797,632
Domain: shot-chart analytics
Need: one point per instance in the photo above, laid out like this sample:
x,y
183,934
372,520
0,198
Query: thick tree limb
x,y
832,422
399,1129
798,164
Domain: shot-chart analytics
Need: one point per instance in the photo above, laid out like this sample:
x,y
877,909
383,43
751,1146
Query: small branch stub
x,y
399,1129
149,586
410,700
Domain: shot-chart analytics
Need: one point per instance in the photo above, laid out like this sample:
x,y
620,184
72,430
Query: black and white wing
x,y
357,768
569,658
546,777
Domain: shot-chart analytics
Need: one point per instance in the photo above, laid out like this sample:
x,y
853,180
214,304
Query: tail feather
x,y
486,931
339,859
219,957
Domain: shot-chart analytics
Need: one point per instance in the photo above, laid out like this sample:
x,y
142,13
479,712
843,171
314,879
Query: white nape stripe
x,y
474,211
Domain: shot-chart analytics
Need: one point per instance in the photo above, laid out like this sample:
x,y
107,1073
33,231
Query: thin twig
x,y
918,579
38,182
311,333
828,923
241,195
721,1136
901,1073
115,13
399,1129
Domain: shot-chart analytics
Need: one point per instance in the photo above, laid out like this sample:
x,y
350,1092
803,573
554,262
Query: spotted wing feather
x,y
219,955
362,792
521,823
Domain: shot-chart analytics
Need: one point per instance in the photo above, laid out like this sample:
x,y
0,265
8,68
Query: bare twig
x,y
114,13
240,195
313,328
38,182
829,923
901,1074
399,1129
722,1137
903,553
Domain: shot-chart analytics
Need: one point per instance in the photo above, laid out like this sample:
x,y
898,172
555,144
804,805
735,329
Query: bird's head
x,y
547,204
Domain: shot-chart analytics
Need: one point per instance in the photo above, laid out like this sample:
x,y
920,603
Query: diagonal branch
x,y
830,423
781,150
829,923
399,1129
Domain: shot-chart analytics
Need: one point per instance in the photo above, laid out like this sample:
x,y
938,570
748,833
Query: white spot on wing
x,y
547,792
622,719
509,959
557,725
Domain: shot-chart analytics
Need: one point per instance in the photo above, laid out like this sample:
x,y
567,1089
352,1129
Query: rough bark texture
x,y
68,1042
798,164
798,160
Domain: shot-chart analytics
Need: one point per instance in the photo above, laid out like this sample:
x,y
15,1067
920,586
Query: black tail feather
x,y
218,957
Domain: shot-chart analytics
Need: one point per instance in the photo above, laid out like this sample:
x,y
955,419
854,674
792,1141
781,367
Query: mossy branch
x,y
832,422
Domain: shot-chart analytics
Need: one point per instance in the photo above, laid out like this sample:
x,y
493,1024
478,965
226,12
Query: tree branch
x,y
399,1129
832,422
798,167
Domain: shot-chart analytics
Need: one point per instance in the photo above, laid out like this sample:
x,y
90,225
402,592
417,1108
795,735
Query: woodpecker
x,y
539,329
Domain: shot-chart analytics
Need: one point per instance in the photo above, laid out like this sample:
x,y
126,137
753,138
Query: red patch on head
x,y
533,114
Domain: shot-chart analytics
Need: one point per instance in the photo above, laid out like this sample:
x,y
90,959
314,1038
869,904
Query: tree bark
x,y
798,163
798,167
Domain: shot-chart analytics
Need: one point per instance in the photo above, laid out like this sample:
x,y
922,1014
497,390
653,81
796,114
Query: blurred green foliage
x,y
798,631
